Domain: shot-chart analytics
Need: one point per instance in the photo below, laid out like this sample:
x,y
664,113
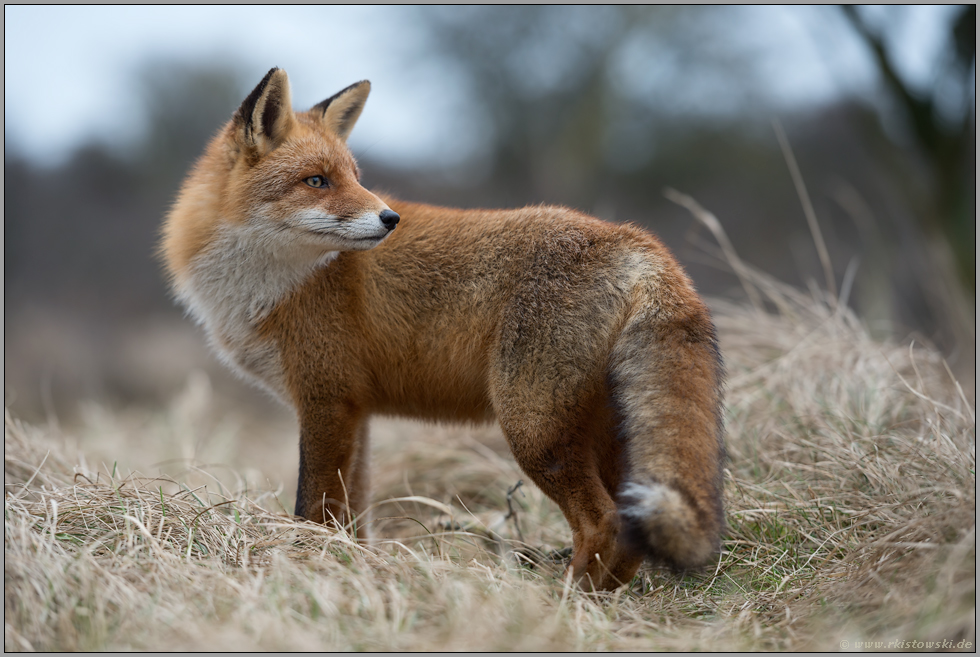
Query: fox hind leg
x,y
558,453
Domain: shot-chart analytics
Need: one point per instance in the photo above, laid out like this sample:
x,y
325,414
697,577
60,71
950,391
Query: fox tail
x,y
666,376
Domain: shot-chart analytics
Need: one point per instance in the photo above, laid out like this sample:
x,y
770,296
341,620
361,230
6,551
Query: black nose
x,y
389,218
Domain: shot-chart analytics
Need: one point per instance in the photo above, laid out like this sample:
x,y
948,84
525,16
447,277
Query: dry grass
x,y
850,497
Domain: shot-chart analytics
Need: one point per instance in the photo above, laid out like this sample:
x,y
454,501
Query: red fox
x,y
585,340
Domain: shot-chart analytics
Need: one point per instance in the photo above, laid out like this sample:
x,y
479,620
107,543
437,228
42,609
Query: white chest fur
x,y
235,283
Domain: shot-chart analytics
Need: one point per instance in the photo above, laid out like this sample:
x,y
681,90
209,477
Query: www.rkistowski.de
x,y
906,645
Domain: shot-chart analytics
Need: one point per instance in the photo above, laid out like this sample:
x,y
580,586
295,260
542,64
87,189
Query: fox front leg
x,y
333,477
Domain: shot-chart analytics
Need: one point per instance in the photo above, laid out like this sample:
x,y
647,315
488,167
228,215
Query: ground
x,y
850,502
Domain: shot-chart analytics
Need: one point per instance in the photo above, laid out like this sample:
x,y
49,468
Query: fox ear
x,y
341,111
266,116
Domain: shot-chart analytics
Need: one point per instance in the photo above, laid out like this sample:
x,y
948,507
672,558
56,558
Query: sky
x,y
69,70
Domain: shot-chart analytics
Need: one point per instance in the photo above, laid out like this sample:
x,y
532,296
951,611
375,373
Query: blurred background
x,y
597,108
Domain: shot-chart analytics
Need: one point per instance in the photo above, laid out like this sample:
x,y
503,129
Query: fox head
x,y
295,169
282,179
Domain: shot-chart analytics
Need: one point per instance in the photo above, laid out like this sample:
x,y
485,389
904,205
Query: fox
x,y
584,339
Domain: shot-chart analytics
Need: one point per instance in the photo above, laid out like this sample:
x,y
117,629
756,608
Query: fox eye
x,y
316,181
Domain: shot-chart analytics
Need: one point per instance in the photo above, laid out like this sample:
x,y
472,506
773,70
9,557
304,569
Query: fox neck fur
x,y
235,282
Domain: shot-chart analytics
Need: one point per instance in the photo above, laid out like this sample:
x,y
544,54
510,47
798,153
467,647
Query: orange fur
x,y
585,340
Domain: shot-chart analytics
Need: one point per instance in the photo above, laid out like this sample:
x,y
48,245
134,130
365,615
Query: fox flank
x,y
585,340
